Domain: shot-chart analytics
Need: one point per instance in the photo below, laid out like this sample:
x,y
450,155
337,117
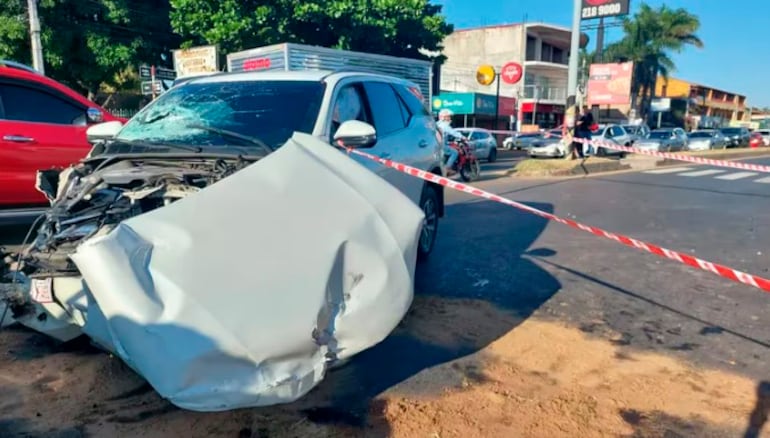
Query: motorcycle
x,y
467,164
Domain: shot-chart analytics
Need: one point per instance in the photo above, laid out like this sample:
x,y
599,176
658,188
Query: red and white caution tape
x,y
680,157
720,270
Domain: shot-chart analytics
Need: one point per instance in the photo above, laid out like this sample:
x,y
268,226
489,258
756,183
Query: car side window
x,y
475,135
26,104
349,104
386,108
415,105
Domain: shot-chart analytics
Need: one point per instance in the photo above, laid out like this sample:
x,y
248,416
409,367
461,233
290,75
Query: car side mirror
x,y
356,134
103,131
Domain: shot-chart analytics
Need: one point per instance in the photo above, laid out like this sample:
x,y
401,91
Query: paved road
x,y
605,288
520,263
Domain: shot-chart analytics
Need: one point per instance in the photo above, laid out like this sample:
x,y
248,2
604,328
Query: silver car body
x,y
614,133
665,140
706,139
483,142
522,140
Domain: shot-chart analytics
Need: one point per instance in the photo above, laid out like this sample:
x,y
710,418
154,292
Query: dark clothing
x,y
583,128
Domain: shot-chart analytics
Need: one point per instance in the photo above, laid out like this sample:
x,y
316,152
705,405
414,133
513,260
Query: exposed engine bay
x,y
89,200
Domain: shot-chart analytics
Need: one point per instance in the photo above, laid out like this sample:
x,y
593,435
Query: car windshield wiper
x,y
158,145
232,134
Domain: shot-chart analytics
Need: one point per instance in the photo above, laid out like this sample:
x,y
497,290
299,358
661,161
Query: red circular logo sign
x,y
511,73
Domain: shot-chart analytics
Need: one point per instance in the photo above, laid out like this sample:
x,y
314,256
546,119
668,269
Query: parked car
x,y
614,133
705,139
756,140
765,133
521,140
42,125
637,132
737,137
664,140
483,142
551,147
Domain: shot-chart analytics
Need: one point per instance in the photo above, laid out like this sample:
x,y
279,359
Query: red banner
x,y
610,84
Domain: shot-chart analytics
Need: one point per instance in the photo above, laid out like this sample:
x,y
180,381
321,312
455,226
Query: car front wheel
x,y
429,204
492,155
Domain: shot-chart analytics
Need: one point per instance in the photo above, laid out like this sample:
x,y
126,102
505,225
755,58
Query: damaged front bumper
x,y
240,293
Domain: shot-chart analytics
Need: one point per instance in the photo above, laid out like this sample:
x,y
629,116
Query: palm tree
x,y
651,36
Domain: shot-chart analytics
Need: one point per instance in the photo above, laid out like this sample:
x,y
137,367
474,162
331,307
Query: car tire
x,y
429,204
492,155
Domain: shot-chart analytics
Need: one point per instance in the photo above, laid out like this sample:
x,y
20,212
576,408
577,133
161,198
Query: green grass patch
x,y
558,166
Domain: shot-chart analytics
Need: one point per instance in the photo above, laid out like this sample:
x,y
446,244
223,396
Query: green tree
x,y
651,36
88,44
392,27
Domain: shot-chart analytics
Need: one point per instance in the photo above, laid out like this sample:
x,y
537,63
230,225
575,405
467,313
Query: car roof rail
x,y
13,64
355,70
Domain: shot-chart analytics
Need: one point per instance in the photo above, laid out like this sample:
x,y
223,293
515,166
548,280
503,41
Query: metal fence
x,y
124,112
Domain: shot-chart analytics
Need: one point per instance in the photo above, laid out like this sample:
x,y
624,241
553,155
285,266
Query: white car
x,y
550,146
219,244
483,142
614,133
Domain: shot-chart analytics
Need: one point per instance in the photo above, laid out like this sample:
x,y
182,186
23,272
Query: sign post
x,y
196,61
510,73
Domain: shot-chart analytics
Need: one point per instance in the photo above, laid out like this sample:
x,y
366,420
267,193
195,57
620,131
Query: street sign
x,y
161,86
145,73
511,73
147,87
196,61
485,74
604,8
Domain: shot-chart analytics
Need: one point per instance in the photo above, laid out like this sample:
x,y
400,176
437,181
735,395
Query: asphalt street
x,y
637,300
526,265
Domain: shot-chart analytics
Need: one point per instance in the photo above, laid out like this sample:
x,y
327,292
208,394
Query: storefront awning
x,y
473,104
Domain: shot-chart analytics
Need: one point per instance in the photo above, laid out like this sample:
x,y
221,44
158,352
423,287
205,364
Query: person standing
x,y
583,130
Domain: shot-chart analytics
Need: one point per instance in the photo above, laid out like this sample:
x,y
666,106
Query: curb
x,y
631,164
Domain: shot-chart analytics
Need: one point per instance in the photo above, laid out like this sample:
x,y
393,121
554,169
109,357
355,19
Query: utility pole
x,y
570,112
34,33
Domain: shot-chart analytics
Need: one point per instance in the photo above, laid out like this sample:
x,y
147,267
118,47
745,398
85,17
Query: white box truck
x,y
289,56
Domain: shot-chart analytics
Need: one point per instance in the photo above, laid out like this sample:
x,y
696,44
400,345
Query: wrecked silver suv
x,y
222,248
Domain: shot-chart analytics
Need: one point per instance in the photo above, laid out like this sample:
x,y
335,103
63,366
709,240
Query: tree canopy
x,y
391,27
651,36
88,43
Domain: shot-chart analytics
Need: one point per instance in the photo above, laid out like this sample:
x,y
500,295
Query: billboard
x,y
196,61
604,8
610,84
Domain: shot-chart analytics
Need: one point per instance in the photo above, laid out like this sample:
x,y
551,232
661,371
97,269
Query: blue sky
x,y
736,35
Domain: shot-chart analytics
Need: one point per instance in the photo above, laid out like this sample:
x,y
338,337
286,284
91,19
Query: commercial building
x,y
542,50
705,106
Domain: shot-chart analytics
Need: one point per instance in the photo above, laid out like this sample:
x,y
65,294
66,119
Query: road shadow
x,y
661,424
759,415
476,287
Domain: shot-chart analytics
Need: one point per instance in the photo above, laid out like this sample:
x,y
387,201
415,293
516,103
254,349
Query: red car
x,y
42,126
756,140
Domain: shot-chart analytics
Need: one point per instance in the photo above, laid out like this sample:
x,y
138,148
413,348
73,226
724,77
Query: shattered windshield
x,y
256,115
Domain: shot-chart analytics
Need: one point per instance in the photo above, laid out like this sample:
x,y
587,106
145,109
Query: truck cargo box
x,y
288,56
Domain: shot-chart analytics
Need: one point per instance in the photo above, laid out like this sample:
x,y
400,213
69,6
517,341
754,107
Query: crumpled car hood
x,y
243,293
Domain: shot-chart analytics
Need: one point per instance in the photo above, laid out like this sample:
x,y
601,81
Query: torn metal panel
x,y
241,294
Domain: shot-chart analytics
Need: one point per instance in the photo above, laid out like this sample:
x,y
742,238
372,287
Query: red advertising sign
x,y
506,105
511,73
256,63
610,84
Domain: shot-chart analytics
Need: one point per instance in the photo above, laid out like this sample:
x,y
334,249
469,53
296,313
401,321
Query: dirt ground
x,y
540,379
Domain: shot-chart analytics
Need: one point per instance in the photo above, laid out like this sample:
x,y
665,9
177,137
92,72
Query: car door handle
x,y
18,138
422,143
